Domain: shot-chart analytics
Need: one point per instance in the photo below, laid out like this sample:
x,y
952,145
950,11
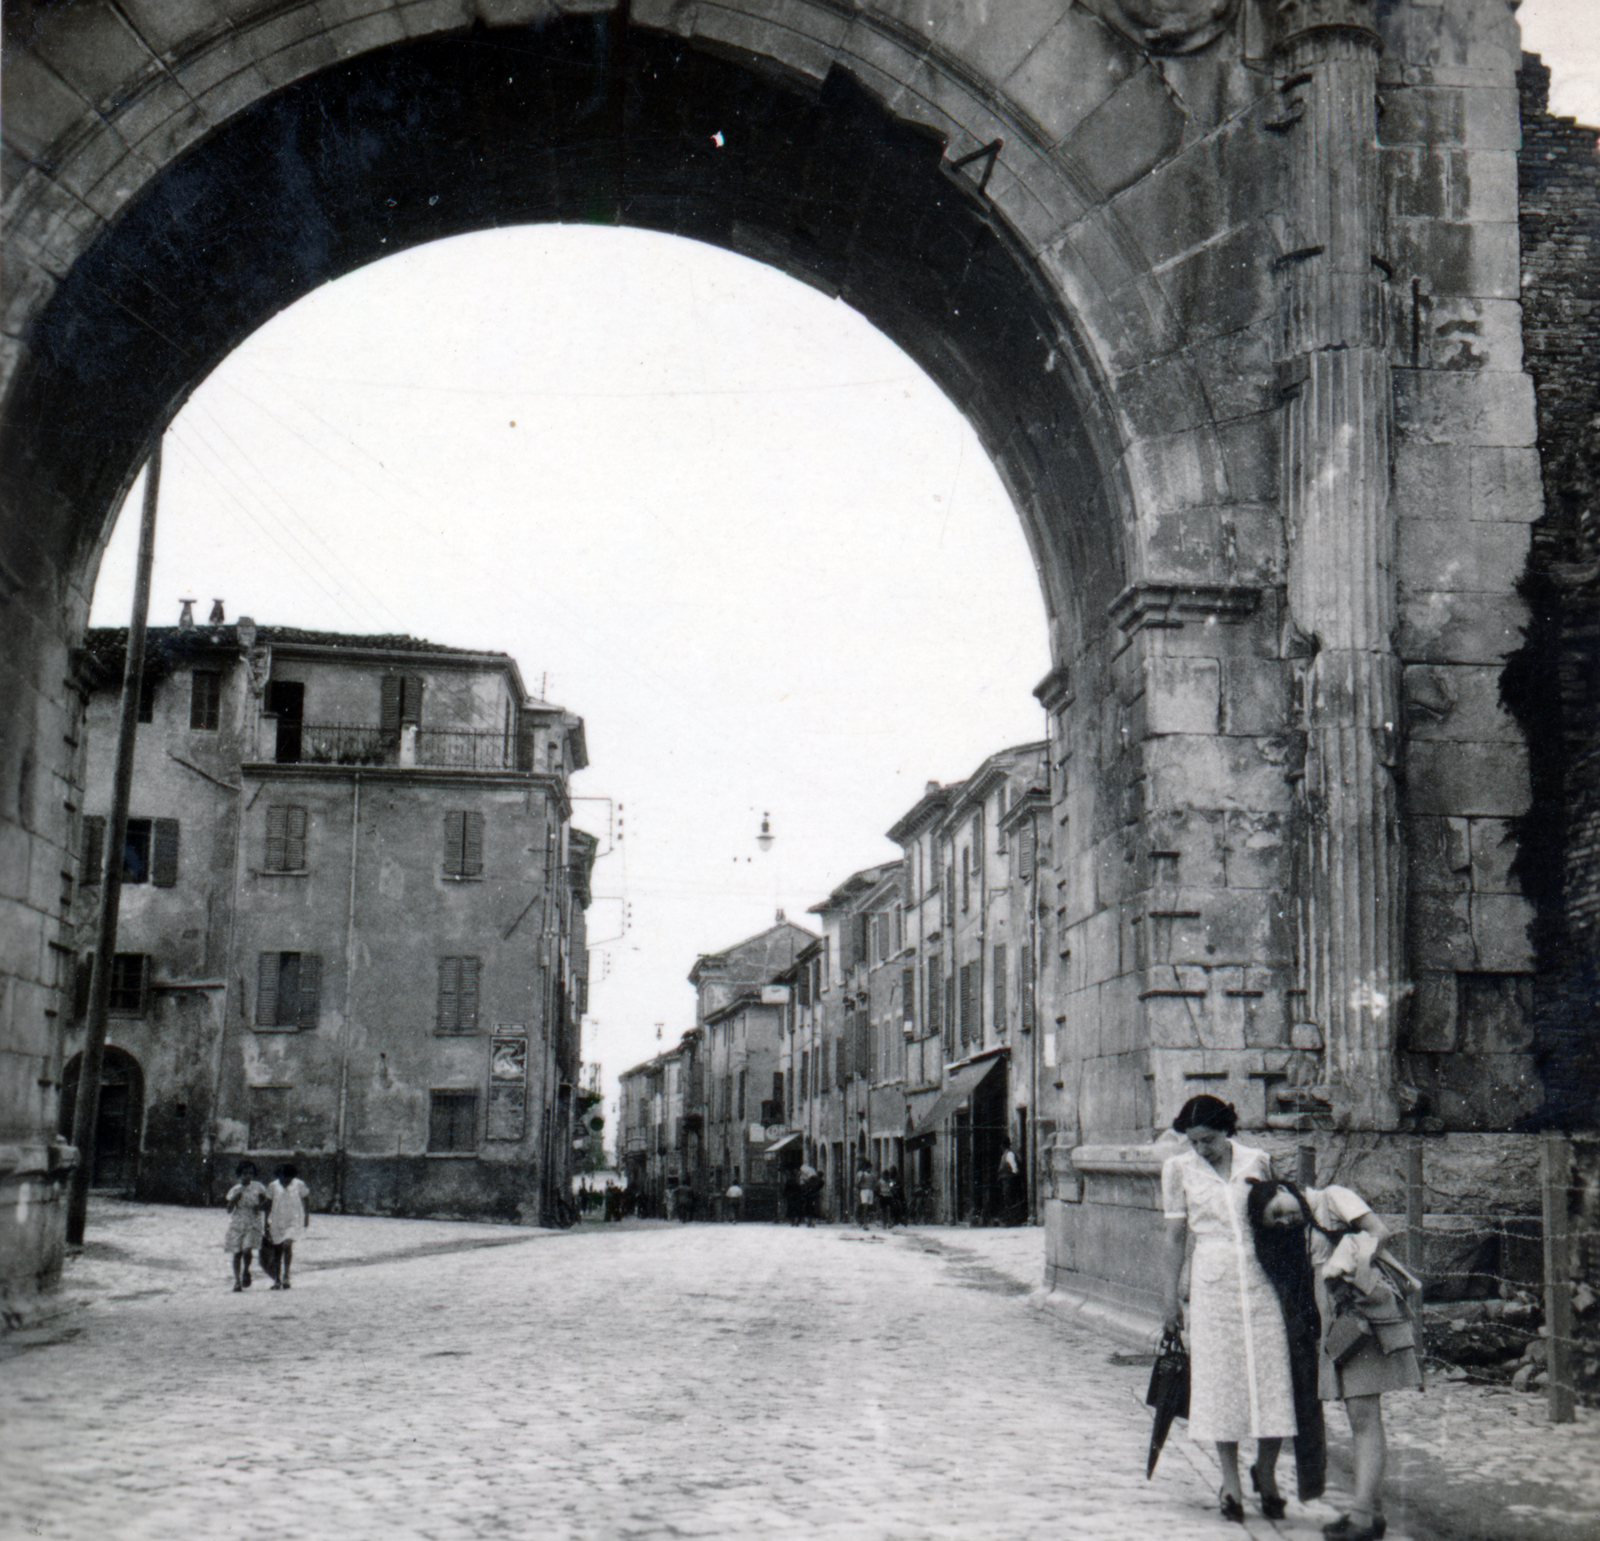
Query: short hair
x,y
1205,1112
243,1167
289,1170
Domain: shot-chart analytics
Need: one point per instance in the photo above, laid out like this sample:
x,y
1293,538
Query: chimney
x,y
217,617
186,620
930,789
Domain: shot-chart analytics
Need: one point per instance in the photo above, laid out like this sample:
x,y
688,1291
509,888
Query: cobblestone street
x,y
648,1380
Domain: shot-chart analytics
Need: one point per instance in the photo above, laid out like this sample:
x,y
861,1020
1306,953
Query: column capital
x,y
1301,20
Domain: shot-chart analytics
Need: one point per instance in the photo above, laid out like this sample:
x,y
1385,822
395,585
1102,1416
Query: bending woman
x,y
1357,1282
1239,1358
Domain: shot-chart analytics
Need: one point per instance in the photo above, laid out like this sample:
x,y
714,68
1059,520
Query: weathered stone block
x,y
1069,72
1470,333
1440,407
1256,852
1493,849
1112,1099
1439,932
1500,932
1255,697
1232,1074
1457,703
1431,481
1182,695
1496,1012
1477,259
1133,130
1506,485
1488,1091
1440,627
1489,780
1431,1013
1440,855
1186,848
1230,773
1460,555
1122,1029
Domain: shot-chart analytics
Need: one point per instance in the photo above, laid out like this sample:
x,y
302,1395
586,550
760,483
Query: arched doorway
x,y
119,1128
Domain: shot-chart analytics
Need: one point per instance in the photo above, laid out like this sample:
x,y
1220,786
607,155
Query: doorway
x,y
120,1123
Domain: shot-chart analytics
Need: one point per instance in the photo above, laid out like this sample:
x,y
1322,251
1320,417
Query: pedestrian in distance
x,y
812,1182
247,1205
1367,1305
1010,1181
287,1219
866,1194
888,1191
1240,1382
735,1198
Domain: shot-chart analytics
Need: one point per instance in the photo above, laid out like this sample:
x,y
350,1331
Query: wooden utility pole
x,y
87,1108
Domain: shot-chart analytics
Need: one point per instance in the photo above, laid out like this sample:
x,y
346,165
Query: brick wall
x,y
1553,685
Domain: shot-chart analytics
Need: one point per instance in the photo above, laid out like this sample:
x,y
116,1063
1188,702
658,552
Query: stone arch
x,y
119,1134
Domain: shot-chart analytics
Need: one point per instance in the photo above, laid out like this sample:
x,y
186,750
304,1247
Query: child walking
x,y
287,1222
247,1206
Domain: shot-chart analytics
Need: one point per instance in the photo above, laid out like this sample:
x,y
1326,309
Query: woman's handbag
x,y
1168,1393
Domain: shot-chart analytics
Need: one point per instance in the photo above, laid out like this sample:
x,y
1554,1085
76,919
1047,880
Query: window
x,y
130,984
933,998
136,852
463,845
452,1123
966,878
147,699
92,857
205,699
150,852
286,840
400,705
805,1074
269,1118
740,1114
908,998
286,989
458,995
971,1029
1000,988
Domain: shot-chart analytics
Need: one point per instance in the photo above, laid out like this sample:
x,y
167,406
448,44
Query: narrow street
x,y
648,1380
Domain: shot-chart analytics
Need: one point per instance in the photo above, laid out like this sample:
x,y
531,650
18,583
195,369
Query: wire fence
x,y
1515,1297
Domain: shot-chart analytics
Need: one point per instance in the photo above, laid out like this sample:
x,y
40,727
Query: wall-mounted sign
x,y
508,1085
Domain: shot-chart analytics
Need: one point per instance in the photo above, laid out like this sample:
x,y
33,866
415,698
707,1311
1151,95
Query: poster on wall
x,y
508,1084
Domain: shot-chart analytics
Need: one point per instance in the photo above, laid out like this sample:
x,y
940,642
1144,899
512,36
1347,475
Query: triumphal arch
x,y
1229,290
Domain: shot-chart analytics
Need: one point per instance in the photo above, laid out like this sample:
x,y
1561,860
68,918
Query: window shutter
x,y
472,845
277,835
467,1008
143,966
449,994
389,712
908,995
1028,847
310,980
860,928
267,991
93,864
1025,967
288,989
411,701
999,988
294,840
454,824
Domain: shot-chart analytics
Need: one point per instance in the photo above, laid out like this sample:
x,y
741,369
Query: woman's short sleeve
x,y
1345,1205
1174,1201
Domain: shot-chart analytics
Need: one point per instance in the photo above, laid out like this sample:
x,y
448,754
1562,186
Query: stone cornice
x,y
1167,606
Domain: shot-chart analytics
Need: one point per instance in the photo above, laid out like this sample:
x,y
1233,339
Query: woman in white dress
x,y
1240,1386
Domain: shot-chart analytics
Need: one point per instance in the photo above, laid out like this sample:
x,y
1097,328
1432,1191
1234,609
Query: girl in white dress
x,y
1240,1385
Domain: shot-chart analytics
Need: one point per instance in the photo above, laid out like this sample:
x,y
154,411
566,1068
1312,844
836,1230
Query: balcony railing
x,y
309,743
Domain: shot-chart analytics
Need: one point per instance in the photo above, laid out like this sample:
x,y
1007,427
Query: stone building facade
x,y
352,925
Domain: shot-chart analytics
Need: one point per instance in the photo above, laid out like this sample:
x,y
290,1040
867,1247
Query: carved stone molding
x,y
1165,606
1168,26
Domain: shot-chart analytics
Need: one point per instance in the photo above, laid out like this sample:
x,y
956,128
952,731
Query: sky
x,y
704,506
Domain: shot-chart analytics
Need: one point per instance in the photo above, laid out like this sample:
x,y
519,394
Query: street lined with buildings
x,y
644,1380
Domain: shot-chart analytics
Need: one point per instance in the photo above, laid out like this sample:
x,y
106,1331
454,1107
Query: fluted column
x,y
1341,552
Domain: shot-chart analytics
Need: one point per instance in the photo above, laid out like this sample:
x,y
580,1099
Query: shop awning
x,y
783,1144
958,1089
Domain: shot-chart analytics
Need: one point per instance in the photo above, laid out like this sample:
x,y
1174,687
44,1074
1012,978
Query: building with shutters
x,y
352,924
967,969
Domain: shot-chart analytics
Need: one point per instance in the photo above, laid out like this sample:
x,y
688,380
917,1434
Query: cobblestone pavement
x,y
648,1381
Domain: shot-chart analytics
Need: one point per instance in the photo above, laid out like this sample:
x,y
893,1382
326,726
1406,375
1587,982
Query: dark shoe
x,y
237,1288
1348,1528
1275,1507
1230,1507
